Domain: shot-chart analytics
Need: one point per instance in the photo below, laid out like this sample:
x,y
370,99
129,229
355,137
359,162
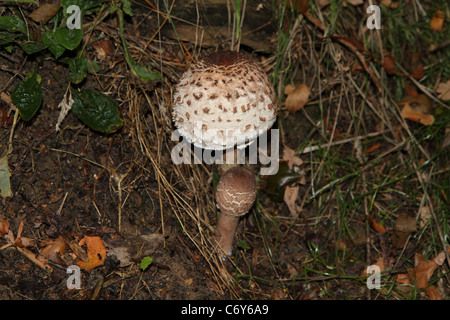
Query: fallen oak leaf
x,y
424,269
421,273
96,252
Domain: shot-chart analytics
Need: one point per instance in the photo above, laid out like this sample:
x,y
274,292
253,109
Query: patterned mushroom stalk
x,y
235,195
224,100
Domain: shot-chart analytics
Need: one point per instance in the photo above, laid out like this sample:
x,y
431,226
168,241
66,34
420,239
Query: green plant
x,y
64,40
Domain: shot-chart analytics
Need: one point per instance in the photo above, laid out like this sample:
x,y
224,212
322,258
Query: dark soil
x,y
63,183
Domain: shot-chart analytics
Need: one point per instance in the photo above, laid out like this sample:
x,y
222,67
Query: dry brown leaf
x,y
53,249
380,263
437,21
96,251
122,254
390,4
45,12
418,69
377,226
425,215
389,63
432,293
20,241
418,109
103,48
422,272
405,223
372,148
296,97
300,6
290,198
410,90
424,269
4,227
323,3
404,226
446,141
355,2
443,89
291,192
291,158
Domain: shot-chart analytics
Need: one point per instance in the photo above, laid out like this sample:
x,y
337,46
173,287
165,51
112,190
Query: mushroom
x,y
235,194
224,100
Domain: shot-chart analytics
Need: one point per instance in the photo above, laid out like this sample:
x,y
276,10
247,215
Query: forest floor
x,y
364,154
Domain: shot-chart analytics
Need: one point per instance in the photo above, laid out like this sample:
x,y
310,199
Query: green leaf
x,y
68,38
92,66
31,47
7,37
86,6
48,37
145,262
126,6
13,24
97,110
77,69
243,245
144,72
27,96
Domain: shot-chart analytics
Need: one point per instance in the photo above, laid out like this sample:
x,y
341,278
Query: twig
x,y
62,204
325,145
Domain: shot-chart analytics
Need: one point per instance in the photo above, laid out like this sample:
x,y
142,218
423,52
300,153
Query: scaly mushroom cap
x,y
236,191
223,100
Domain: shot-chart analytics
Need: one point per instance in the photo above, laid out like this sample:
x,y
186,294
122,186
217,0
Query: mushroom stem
x,y
225,231
232,157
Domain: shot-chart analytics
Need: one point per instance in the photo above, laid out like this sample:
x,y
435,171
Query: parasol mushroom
x,y
223,101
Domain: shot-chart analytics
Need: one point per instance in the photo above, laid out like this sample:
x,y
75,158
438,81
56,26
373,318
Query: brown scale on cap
x,y
225,90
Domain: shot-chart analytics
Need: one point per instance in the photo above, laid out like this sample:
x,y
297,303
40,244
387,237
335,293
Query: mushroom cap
x,y
223,100
236,191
